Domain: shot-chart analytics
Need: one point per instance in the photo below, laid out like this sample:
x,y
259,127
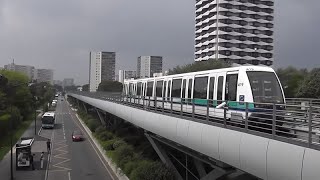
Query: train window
x,y
130,89
169,89
144,89
124,89
200,87
159,88
176,88
139,88
149,88
220,88
211,87
164,89
189,88
231,87
183,88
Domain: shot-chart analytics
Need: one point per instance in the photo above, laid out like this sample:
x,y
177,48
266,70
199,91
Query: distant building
x,y
238,31
43,75
157,74
68,82
101,67
125,74
24,69
58,82
147,65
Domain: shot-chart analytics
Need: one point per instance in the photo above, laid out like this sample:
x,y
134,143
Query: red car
x,y
77,136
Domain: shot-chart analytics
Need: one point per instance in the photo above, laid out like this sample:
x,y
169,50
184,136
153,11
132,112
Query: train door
x,y
184,99
220,94
212,94
231,96
143,94
167,90
159,91
176,92
187,93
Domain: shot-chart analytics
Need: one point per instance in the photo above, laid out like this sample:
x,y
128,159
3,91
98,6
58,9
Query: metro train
x,y
219,88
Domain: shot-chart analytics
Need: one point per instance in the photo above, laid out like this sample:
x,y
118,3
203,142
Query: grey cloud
x,y
59,34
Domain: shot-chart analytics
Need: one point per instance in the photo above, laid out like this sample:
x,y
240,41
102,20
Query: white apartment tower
x,y
148,65
43,75
101,67
238,31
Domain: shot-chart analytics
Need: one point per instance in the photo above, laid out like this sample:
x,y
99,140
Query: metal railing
x,y
295,123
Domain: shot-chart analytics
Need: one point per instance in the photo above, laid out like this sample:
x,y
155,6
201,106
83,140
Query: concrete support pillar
x,y
78,102
214,174
163,156
200,168
100,117
85,107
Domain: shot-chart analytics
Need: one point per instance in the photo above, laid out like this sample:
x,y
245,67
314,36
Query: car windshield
x,y
265,87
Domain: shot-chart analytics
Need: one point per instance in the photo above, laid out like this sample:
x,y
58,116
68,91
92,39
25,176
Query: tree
x,y
43,91
291,79
70,88
58,88
199,66
310,87
110,86
16,93
85,87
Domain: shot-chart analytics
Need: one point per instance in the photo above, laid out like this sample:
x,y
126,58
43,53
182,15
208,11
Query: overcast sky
x,y
59,34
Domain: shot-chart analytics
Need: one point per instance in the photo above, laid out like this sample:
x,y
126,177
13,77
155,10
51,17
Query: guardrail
x,y
293,123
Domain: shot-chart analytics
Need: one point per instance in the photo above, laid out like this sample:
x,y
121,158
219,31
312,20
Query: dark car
x,y
77,135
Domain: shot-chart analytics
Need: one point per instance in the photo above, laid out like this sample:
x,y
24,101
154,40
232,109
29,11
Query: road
x,y
73,160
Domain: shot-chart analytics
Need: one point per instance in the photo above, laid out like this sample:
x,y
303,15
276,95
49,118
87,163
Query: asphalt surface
x,y
73,160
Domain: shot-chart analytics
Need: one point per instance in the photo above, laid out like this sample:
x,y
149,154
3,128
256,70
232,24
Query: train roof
x,y
252,68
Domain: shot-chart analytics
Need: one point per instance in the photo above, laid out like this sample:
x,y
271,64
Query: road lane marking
x,y
105,166
49,156
69,175
58,156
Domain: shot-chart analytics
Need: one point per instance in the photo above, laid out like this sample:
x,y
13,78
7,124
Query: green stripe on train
x,y
204,102
239,105
231,104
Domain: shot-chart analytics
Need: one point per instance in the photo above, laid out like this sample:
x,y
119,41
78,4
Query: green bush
x,y
99,130
105,135
148,170
123,155
92,124
129,167
108,145
118,143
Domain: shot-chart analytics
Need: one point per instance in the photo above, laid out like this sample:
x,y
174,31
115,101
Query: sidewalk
x,y
27,173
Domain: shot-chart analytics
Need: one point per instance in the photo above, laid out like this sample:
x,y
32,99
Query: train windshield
x,y
265,87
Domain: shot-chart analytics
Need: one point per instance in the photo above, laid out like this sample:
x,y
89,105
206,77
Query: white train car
x,y
230,87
